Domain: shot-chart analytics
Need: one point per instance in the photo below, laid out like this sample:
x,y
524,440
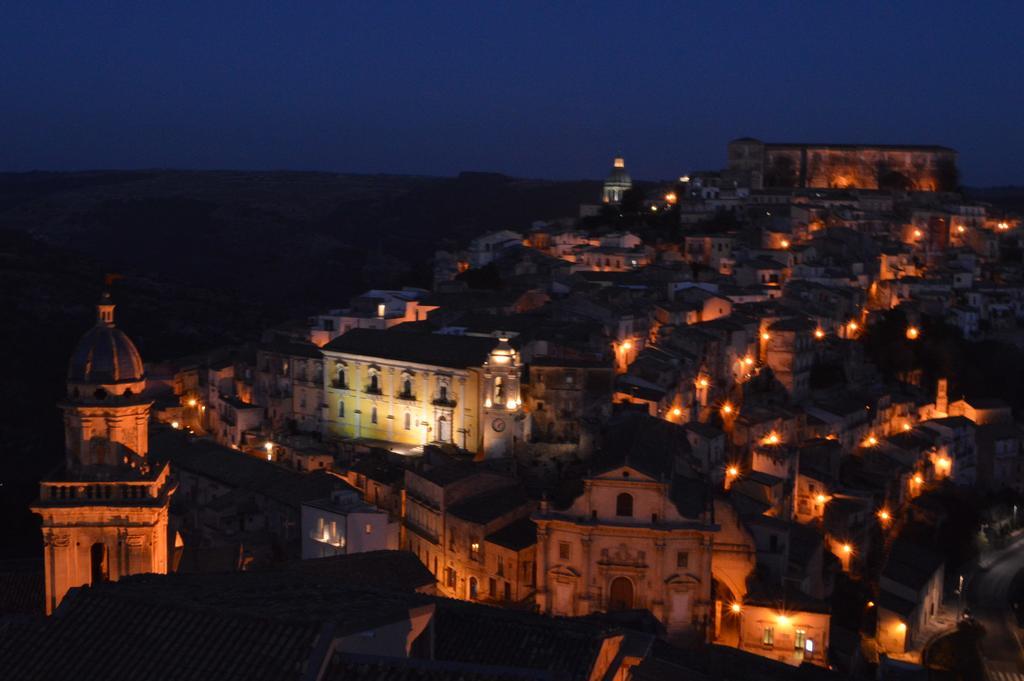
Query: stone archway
x,y
620,594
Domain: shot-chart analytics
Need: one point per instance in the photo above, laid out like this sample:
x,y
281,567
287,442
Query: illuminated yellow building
x,y
104,513
414,389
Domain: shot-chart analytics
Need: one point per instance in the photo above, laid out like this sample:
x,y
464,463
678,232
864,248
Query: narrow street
x,y
988,596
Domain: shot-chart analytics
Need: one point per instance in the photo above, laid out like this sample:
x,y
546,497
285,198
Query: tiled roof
x,y
457,352
239,471
348,667
397,570
109,635
516,536
483,635
483,508
21,587
911,565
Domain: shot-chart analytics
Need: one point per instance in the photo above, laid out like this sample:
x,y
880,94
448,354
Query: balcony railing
x,y
444,402
370,390
410,397
339,385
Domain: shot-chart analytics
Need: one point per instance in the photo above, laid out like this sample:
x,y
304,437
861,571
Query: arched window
x,y
624,505
408,421
443,393
499,390
374,383
407,387
340,382
472,588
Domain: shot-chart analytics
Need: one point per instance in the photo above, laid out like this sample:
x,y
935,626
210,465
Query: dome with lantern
x,y
105,358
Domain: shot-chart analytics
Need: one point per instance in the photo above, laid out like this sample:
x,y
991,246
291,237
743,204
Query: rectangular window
x,y
800,640
768,638
451,577
564,550
474,549
683,559
373,415
341,410
501,567
492,588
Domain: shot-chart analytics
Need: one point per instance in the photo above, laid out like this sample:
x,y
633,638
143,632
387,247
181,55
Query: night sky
x,y
529,89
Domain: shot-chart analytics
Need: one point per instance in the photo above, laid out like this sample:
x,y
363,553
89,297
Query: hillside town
x,y
726,426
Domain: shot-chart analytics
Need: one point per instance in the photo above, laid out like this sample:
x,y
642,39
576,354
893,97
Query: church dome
x,y
619,177
105,355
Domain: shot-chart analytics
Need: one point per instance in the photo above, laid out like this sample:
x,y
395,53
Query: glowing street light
x,y
192,402
627,345
702,382
748,360
732,471
785,243
175,425
671,198
771,439
847,549
870,441
961,229
726,409
907,426
884,515
918,479
765,336
913,332
821,498
852,325
1003,226
736,608
677,412
917,234
819,333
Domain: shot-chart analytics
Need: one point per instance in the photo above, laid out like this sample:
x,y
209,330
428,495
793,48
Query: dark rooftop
x,y
456,352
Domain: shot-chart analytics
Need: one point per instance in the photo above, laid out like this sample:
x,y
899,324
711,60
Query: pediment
x,y
623,473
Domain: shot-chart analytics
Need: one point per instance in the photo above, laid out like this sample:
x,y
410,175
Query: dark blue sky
x,y
530,89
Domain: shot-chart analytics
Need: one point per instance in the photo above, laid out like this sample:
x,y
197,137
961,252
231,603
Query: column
x,y
542,569
585,596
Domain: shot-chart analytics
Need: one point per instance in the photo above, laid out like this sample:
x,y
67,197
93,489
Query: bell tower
x,y
504,421
105,510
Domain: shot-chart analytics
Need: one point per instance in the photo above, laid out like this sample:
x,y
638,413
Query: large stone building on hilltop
x,y
842,166
417,388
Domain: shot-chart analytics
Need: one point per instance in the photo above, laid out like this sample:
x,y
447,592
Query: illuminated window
x,y
474,549
800,640
369,528
768,637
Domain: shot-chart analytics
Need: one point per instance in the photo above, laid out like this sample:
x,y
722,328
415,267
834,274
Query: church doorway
x,y
98,560
620,595
444,430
